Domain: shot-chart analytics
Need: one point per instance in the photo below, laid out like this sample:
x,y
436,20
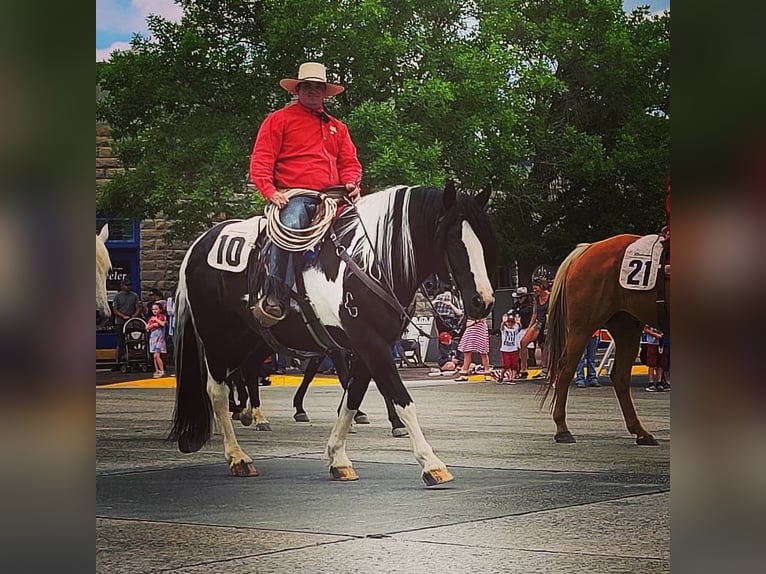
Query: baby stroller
x,y
136,346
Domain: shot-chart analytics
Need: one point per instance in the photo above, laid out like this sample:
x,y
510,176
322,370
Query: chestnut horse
x,y
586,296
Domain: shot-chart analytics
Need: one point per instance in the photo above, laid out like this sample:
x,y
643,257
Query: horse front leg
x,y
341,467
626,333
240,464
338,358
398,430
378,358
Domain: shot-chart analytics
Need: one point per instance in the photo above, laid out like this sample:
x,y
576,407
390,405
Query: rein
x,y
387,295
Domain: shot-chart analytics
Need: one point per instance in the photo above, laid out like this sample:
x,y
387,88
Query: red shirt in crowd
x,y
296,148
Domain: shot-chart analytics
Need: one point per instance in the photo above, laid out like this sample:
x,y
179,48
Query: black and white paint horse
x,y
398,236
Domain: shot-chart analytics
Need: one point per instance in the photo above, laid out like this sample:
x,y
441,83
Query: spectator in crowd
x,y
449,357
655,360
125,306
154,296
448,312
475,339
664,351
524,309
170,309
588,360
537,323
156,327
509,349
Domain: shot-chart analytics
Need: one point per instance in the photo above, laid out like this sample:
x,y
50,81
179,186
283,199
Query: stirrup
x,y
264,317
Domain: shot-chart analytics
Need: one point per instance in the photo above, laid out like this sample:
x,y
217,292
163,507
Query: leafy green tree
x,y
561,104
593,119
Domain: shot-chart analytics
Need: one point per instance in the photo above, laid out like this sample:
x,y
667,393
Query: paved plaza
x,y
519,502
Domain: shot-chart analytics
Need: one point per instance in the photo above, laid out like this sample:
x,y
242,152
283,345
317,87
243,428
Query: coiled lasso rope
x,y
300,239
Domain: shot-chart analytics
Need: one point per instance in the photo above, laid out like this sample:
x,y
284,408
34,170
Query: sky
x,y
118,20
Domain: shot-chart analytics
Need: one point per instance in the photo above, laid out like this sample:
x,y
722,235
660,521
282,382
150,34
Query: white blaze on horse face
x,y
476,261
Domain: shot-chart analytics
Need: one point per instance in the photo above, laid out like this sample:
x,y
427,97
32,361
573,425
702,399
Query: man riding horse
x,y
300,147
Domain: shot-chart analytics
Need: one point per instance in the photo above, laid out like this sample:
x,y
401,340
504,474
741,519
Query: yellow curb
x,y
295,380
161,383
170,382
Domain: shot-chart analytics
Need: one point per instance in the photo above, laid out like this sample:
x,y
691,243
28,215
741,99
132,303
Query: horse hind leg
x,y
252,412
626,333
566,371
338,358
312,367
240,464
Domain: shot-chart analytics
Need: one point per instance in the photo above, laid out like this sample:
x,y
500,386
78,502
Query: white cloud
x,y
104,53
118,20
165,8
129,18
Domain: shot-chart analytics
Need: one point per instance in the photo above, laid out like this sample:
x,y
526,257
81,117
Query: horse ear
x,y
483,197
104,233
448,199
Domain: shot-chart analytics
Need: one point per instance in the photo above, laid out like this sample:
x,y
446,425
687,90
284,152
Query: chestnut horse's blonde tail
x,y
556,337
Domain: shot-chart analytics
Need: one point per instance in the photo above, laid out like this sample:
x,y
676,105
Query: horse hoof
x,y
438,476
236,416
362,419
399,432
565,437
246,418
301,418
263,426
647,440
243,468
343,473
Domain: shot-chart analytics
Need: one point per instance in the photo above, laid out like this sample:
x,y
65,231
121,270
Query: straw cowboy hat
x,y
311,72
520,292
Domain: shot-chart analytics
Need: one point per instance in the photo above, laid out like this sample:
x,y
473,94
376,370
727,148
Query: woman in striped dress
x,y
475,339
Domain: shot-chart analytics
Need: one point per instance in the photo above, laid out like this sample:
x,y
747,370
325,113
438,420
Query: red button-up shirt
x,y
295,148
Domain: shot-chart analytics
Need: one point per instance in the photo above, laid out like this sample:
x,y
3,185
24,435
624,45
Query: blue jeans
x,y
589,358
297,214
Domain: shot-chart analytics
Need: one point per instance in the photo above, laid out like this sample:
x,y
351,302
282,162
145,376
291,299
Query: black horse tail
x,y
193,414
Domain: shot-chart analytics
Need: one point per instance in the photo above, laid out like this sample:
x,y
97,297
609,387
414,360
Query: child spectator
x,y
654,359
475,339
449,356
156,328
509,349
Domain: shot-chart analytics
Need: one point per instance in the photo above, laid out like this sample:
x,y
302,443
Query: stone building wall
x,y
159,260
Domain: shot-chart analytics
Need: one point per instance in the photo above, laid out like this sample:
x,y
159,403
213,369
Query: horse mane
x,y
397,218
385,235
557,312
103,265
103,262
